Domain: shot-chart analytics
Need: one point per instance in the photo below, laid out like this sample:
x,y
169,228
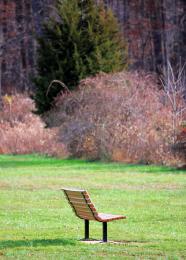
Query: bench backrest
x,y
81,203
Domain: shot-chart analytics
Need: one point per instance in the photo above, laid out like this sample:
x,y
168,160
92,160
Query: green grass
x,y
36,221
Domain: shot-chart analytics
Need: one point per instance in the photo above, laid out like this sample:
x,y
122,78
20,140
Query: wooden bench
x,y
85,209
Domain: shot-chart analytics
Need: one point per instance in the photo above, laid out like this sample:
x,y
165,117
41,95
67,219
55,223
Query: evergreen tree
x,y
83,40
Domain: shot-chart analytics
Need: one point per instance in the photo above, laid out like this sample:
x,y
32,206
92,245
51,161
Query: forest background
x,y
155,34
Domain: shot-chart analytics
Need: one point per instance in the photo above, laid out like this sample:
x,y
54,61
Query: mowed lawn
x,y
36,221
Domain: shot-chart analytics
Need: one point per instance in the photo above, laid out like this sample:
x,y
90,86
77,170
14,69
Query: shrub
x,y
22,132
119,117
180,144
83,40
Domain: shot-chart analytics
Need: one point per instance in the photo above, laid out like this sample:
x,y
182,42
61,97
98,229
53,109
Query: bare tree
x,y
173,82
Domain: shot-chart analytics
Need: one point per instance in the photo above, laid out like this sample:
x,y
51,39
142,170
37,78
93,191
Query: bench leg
x,y
86,229
104,231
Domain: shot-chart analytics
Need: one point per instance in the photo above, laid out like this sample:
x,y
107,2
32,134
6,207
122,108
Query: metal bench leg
x,y
86,229
104,231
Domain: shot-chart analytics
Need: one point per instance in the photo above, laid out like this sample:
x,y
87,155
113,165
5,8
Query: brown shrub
x,y
120,117
180,145
22,132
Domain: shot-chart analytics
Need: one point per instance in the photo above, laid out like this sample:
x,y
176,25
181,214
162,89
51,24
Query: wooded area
x,y
155,32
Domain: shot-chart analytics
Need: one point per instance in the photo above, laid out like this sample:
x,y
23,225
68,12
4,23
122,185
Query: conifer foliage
x,y
82,40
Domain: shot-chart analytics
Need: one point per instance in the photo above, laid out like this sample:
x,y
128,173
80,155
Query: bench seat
x,y
102,217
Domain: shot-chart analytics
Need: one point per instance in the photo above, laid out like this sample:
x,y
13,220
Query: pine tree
x,y
83,40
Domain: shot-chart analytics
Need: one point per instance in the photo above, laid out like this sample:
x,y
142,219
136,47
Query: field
x,y
36,221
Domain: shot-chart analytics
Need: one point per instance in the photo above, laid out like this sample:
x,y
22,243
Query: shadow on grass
x,y
39,163
35,243
75,164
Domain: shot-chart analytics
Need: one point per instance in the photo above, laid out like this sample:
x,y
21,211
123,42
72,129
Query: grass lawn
x,y
36,221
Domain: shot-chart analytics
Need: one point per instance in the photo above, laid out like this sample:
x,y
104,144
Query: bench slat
x,y
74,195
75,203
75,200
78,198
73,192
90,207
82,207
84,211
86,216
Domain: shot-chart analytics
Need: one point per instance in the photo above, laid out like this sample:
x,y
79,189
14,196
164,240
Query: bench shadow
x,y
96,241
35,243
